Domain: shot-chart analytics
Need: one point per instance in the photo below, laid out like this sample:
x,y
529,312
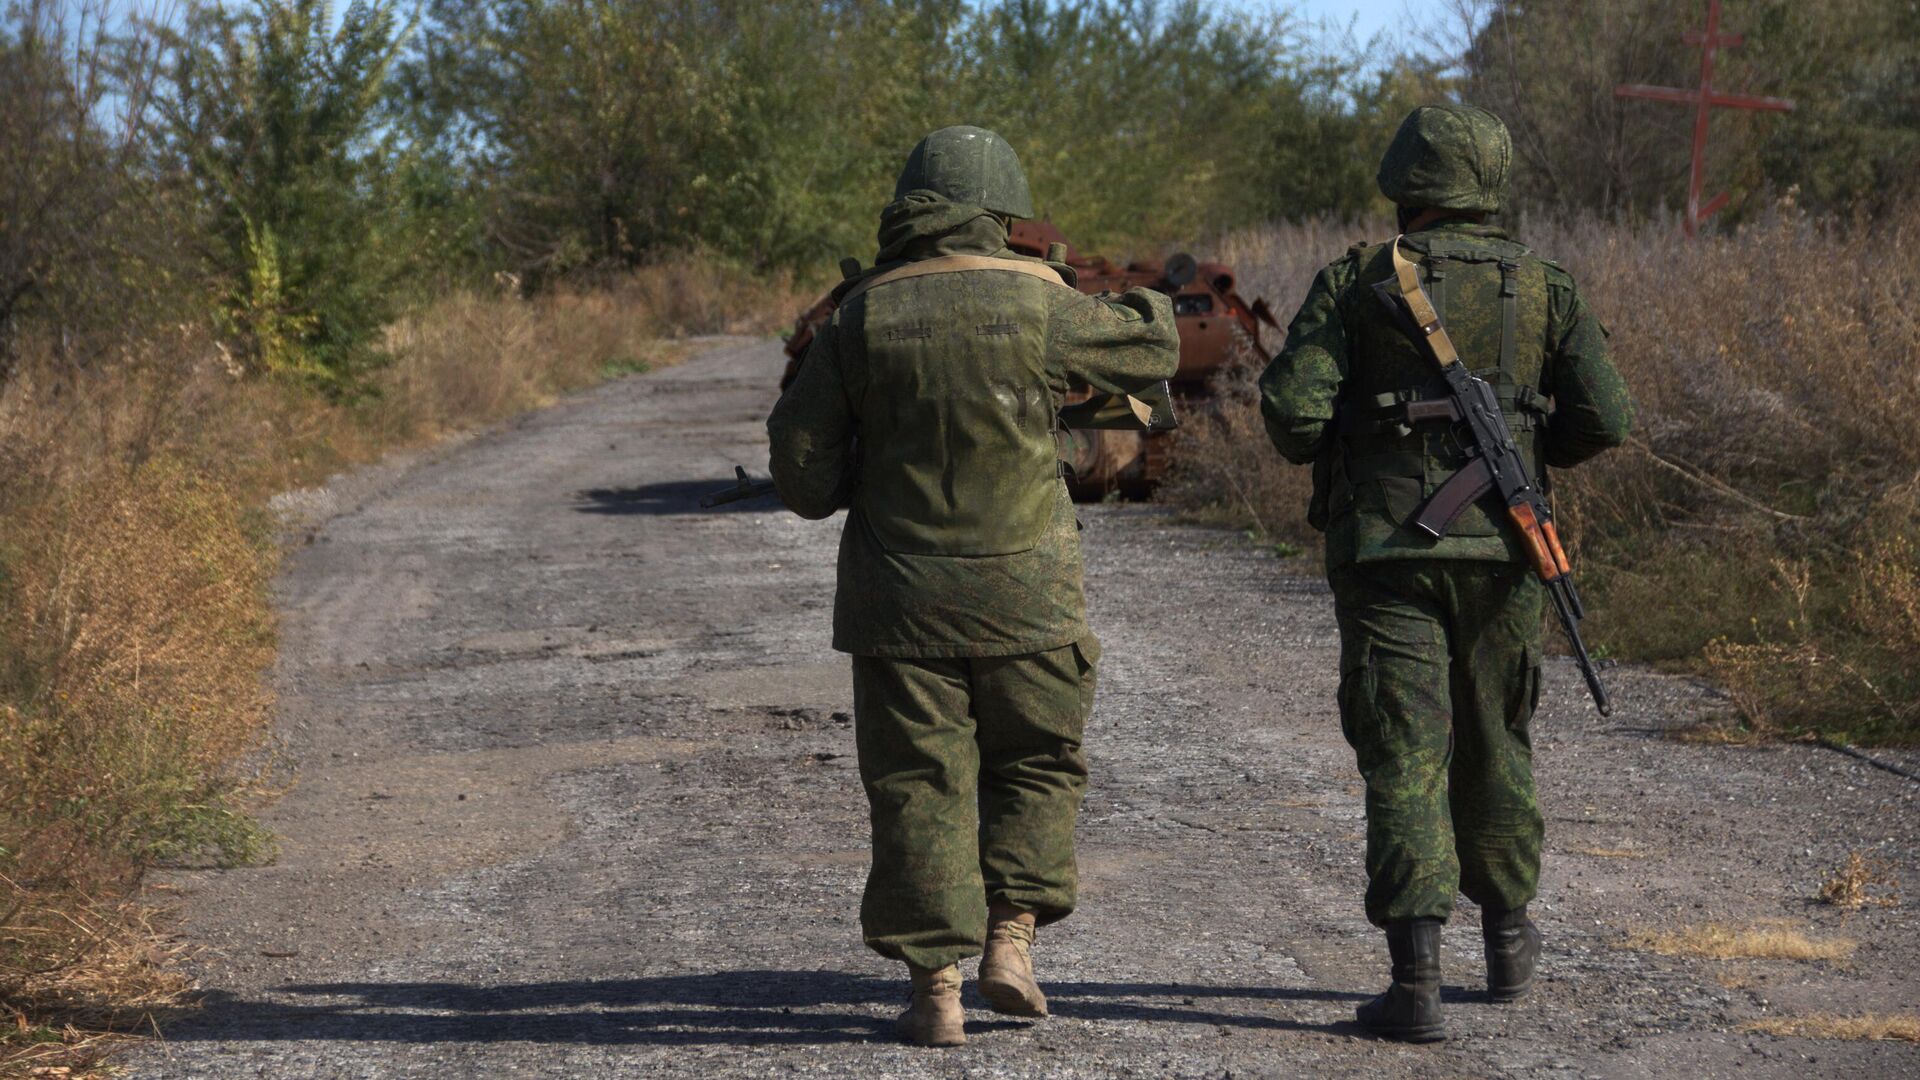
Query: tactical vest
x,y
956,411
1492,296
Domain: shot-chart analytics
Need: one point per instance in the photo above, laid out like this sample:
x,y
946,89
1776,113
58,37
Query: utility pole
x,y
1704,100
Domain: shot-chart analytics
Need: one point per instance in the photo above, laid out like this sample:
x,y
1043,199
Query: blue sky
x,y
1369,17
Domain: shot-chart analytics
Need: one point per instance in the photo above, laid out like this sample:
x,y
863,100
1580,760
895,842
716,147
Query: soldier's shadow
x,y
724,1008
667,497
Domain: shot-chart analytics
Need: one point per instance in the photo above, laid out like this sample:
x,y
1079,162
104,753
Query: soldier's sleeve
x,y
1115,344
1300,388
1591,409
811,431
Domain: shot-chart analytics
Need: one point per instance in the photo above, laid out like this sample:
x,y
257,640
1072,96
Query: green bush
x,y
272,113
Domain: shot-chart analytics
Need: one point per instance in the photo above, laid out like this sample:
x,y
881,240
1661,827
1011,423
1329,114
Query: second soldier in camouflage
x,y
1440,645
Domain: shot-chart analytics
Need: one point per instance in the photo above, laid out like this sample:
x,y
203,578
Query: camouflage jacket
x,y
1329,396
927,406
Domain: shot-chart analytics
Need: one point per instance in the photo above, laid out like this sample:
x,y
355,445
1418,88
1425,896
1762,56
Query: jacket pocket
x,y
1386,485
1401,495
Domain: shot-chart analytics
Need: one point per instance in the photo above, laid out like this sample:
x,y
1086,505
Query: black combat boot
x,y
1410,1009
1513,949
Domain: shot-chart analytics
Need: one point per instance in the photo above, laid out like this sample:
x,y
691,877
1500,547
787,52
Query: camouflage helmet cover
x,y
968,165
1451,157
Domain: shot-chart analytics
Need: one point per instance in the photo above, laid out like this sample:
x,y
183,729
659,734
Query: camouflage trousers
x,y
1439,678
974,777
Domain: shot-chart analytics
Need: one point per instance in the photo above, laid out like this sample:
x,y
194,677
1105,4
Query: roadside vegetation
x,y
137,550
244,245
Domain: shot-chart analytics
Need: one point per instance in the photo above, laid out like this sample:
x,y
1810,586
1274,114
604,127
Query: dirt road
x,y
575,798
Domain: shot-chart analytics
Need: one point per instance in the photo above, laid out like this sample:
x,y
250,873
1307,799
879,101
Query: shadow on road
x,y
729,1008
667,497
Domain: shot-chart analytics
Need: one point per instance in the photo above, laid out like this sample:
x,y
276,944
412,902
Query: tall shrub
x,y
273,111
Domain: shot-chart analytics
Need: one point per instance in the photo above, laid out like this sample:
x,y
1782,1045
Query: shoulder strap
x,y
953,264
1509,312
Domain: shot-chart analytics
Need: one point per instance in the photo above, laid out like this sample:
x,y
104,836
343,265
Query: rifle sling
x,y
1434,335
1509,313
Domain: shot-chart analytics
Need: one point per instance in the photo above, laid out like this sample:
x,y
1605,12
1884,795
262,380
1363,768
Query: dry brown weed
x,y
1860,882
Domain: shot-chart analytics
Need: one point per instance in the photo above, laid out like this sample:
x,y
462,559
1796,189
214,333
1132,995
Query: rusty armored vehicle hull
x,y
1215,325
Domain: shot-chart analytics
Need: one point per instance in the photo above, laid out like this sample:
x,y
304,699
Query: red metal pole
x,y
1704,100
1697,178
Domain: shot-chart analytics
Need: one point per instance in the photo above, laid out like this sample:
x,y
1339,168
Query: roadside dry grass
x,y
1852,1028
1718,942
136,554
1763,525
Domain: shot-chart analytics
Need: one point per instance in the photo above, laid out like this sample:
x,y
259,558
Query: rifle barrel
x,y
1564,605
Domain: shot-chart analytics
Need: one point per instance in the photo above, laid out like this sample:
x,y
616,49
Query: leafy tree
x,y
273,111
1136,120
1854,68
1326,145
604,130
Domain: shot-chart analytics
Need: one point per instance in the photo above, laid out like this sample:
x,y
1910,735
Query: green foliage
x,y
1137,121
272,112
1325,148
771,131
1854,68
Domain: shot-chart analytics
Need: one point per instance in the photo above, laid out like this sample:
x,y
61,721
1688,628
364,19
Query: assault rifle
x,y
1495,463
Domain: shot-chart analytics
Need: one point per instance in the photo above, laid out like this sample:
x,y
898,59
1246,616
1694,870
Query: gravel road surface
x,y
574,797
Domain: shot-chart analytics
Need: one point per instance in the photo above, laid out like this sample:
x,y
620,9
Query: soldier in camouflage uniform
x,y
1440,642
926,405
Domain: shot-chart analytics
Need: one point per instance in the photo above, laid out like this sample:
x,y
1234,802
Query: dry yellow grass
x,y
1868,1027
1717,942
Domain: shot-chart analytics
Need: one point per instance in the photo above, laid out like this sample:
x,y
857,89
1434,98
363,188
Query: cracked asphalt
x,y
574,796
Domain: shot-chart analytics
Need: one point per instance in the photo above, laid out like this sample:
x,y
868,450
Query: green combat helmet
x,y
1449,157
969,165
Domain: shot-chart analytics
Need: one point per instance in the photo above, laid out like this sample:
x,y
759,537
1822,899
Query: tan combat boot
x,y
934,1016
1006,971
